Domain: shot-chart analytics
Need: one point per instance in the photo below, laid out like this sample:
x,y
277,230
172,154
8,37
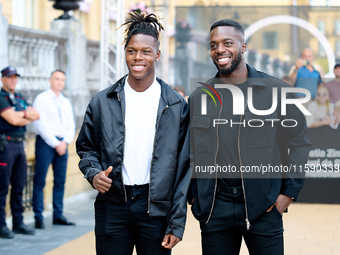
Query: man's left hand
x,y
169,241
282,203
61,148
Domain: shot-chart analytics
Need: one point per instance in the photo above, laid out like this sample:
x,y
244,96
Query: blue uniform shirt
x,y
307,80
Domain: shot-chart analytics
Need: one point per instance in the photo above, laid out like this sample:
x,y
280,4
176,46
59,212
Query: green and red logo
x,y
209,93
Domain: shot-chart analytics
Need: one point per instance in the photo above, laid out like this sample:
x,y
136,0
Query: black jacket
x,y
100,144
258,146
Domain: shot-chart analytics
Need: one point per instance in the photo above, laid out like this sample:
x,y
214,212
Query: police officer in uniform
x,y
15,114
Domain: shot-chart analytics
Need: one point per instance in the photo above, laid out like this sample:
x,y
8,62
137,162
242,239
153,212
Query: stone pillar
x,y
3,40
75,63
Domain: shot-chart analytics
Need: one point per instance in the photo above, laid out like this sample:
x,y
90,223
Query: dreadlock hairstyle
x,y
140,23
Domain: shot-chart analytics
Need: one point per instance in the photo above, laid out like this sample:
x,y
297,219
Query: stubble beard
x,y
234,64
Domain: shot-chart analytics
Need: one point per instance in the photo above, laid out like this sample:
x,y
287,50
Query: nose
x,y
138,55
220,48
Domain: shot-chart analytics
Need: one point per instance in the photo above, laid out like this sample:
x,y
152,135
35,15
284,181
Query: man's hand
x,y
32,113
101,181
61,148
169,241
282,203
299,63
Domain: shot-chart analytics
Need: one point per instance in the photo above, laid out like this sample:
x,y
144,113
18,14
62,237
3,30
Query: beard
x,y
234,64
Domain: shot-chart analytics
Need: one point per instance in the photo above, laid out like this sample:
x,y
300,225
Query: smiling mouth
x,y
223,61
138,68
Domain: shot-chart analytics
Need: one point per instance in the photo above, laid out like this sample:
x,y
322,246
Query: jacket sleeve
x,y
178,212
296,140
87,148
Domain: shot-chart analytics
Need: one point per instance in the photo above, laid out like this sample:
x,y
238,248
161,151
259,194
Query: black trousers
x,y
120,227
223,233
13,170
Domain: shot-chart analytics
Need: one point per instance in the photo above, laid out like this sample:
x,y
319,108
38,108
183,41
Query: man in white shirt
x,y
55,130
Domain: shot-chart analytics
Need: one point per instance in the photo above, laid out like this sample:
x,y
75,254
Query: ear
x,y
158,55
244,47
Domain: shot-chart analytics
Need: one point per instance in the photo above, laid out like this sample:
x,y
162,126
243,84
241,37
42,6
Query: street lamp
x,y
66,6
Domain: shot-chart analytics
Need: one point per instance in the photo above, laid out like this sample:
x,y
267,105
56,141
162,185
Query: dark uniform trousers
x,y
13,167
120,227
226,227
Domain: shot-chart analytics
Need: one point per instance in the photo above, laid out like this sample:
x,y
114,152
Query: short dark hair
x,y
58,70
140,23
228,23
336,65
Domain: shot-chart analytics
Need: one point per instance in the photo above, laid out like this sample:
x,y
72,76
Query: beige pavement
x,y
310,229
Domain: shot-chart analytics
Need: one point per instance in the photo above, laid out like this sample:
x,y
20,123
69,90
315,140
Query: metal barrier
x,y
27,195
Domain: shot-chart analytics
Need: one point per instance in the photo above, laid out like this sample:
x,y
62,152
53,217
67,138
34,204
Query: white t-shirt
x,y
140,127
319,112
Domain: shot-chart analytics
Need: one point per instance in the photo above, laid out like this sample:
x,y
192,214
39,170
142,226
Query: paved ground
x,y
78,209
310,229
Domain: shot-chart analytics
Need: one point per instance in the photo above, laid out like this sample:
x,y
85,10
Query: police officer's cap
x,y
8,71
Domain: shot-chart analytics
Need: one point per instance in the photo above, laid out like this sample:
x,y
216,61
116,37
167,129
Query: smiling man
x,y
134,149
241,204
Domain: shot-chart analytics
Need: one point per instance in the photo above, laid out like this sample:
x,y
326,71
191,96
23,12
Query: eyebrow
x,y
223,40
147,47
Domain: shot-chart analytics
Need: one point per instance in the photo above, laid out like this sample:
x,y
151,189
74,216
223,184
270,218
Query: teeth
x,y
138,67
222,59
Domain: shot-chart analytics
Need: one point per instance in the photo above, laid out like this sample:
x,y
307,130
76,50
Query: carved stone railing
x,y
34,54
93,66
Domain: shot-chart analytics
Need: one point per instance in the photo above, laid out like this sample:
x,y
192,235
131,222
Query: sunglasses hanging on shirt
x,y
12,99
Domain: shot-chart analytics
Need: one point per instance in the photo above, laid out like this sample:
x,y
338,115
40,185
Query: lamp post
x,y
66,6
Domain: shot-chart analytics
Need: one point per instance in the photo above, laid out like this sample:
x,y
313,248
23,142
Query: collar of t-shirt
x,y
149,93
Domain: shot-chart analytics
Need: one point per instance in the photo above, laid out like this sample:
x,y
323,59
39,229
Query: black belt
x,y
12,139
132,190
137,187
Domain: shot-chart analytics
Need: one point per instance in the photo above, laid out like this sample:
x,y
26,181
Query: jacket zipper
x,y
153,149
239,155
121,171
217,148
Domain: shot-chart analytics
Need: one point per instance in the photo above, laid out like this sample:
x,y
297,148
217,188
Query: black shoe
x,y
39,223
63,221
23,229
6,233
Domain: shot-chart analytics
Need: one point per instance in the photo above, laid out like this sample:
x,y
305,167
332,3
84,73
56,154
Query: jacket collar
x,y
253,77
167,93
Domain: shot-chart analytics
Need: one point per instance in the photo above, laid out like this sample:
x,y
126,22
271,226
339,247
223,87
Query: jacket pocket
x,y
201,129
261,130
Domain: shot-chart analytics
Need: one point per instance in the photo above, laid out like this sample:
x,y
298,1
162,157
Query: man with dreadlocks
x,y
134,149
